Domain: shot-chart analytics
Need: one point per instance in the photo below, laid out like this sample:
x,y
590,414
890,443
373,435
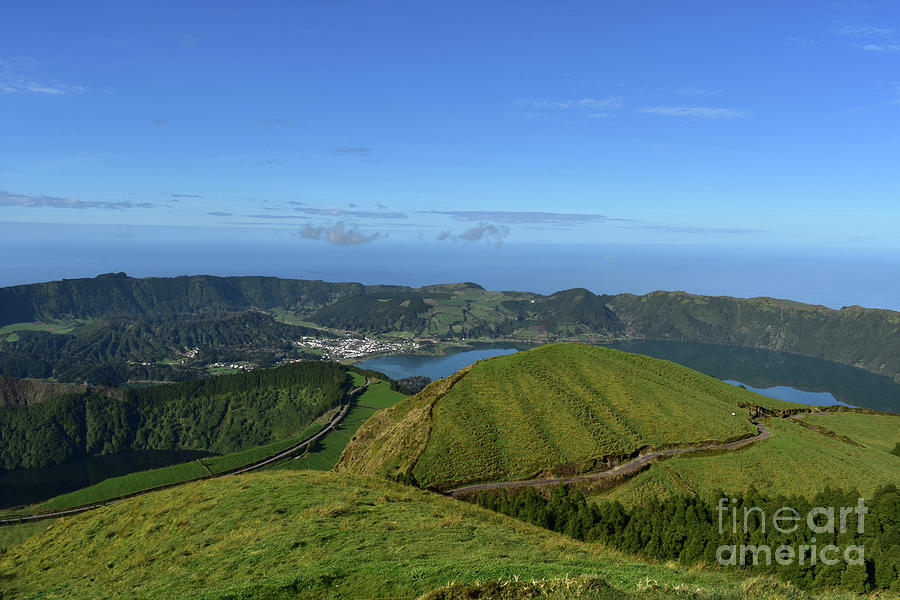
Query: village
x,y
340,348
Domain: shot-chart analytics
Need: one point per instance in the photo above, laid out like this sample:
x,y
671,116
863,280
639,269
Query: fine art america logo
x,y
787,520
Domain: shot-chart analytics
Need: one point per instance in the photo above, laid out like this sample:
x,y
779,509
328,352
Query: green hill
x,y
322,535
561,408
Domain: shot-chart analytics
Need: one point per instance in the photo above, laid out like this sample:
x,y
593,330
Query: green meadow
x,y
283,534
793,461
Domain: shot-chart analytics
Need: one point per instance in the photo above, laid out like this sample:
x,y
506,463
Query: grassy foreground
x,y
307,534
559,408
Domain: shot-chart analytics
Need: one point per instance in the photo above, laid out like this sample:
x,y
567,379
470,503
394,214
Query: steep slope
x,y
861,337
116,295
561,407
322,535
25,392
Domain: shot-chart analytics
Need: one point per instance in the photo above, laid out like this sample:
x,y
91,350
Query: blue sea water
x,y
828,277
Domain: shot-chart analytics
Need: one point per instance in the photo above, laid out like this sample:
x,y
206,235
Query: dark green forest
x,y
218,414
114,351
687,529
117,295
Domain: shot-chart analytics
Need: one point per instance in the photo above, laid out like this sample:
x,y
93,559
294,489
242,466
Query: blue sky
x,y
753,124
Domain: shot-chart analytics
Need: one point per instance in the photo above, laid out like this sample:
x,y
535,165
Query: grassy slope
x,y
514,416
326,452
313,535
795,460
881,432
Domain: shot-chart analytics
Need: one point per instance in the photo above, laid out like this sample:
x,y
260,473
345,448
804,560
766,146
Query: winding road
x,y
243,469
627,468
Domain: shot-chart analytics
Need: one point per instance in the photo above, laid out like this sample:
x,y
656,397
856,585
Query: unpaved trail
x,y
627,468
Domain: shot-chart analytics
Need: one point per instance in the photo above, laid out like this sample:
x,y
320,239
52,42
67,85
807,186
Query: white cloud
x,y
338,234
16,77
697,112
866,31
487,232
879,47
592,108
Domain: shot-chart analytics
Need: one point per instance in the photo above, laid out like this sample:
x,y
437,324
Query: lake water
x,y
27,486
399,366
788,377
789,394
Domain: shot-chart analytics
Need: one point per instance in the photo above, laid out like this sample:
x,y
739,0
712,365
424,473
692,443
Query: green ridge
x,y
559,408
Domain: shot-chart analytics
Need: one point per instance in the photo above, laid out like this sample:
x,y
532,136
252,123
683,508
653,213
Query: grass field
x,y
559,407
13,535
321,535
881,432
220,464
327,450
9,332
793,461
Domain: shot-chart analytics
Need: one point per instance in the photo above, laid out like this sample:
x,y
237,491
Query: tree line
x,y
114,351
691,530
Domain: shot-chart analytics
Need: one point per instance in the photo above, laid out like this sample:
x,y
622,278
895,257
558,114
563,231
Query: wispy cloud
x,y
590,108
25,200
866,31
356,151
871,38
185,195
17,77
487,232
879,47
525,217
691,91
695,112
341,212
219,213
338,234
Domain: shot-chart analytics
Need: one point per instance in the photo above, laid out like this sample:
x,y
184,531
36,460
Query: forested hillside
x,y
865,338
855,336
117,295
115,351
218,414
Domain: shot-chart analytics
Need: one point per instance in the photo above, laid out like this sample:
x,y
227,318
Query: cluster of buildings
x,y
338,348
